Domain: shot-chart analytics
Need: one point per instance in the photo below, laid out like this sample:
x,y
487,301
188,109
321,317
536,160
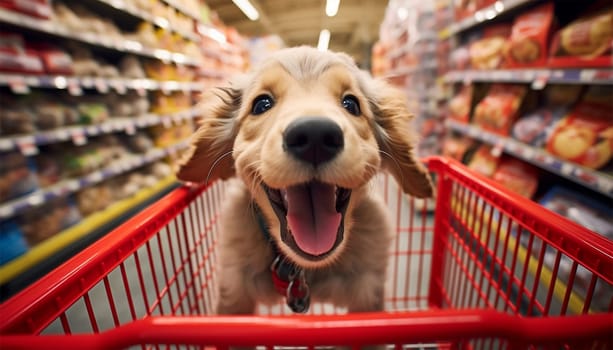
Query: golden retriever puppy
x,y
304,134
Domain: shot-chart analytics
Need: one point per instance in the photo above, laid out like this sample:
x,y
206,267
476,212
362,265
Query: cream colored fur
x,y
233,143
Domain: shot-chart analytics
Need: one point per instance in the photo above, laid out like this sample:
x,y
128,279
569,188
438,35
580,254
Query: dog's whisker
x,y
208,176
395,163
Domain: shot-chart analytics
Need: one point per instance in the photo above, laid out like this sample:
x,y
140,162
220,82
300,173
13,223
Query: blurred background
x,y
97,99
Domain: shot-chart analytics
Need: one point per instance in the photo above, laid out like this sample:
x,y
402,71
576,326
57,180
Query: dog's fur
x,y
231,142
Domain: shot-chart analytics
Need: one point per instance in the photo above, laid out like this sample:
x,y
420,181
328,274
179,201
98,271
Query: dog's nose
x,y
313,139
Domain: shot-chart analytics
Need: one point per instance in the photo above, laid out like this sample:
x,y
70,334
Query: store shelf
x,y
79,133
536,76
161,22
48,247
592,179
20,83
483,15
122,45
68,186
183,10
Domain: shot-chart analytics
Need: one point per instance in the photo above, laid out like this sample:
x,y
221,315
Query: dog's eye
x,y
261,104
351,104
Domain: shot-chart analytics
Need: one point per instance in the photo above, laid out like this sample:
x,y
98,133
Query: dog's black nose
x,y
313,139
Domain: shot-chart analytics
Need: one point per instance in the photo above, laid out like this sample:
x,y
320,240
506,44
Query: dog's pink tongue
x,y
312,217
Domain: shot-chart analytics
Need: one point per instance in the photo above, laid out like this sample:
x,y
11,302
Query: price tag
x,y
140,90
130,128
74,88
19,85
567,169
6,144
539,82
120,87
106,127
587,75
497,149
73,185
101,85
6,211
167,122
95,177
27,146
78,137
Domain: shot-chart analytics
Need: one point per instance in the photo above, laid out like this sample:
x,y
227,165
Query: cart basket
x,y
479,267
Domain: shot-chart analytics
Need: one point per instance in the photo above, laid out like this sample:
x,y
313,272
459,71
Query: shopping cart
x,y
485,269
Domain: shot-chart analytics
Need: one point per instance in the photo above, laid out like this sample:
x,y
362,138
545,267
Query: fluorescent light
x,y
247,9
332,7
324,40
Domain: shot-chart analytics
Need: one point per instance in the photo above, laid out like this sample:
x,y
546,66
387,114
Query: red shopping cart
x,y
481,268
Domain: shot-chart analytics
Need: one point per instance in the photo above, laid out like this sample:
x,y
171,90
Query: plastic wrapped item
x,y
498,110
488,52
459,105
131,67
518,176
48,220
94,198
585,134
484,161
15,118
17,175
580,208
534,128
586,41
529,43
55,59
36,8
16,57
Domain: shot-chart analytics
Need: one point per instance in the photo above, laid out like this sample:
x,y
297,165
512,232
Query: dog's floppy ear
x,y
396,138
210,155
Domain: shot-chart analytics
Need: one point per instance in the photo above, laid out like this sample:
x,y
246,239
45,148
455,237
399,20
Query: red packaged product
x,y
528,43
459,105
585,42
488,52
518,176
499,109
484,161
585,135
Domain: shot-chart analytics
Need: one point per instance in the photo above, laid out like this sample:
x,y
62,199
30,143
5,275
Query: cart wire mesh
x,y
479,268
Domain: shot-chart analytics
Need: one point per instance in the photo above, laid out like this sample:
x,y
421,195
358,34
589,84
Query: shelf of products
x,y
538,77
119,166
22,84
78,134
45,249
597,181
98,98
113,42
472,16
166,19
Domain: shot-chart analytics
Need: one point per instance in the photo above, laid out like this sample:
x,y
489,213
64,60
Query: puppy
x,y
303,135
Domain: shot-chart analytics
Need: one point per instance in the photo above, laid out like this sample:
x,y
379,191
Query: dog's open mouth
x,y
311,217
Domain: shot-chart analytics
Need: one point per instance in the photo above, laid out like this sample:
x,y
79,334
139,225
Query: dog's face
x,y
306,132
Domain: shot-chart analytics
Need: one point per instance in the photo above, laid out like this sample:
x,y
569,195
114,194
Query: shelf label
x,y
120,87
19,86
74,88
587,75
167,122
101,85
6,211
539,82
6,144
130,128
27,146
78,137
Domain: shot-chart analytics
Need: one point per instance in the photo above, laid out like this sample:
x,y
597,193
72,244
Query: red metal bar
x,y
441,217
353,330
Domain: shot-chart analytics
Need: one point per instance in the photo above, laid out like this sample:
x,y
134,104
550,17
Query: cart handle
x,y
354,329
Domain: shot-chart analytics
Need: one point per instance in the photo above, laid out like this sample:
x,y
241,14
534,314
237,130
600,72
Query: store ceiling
x,y
298,22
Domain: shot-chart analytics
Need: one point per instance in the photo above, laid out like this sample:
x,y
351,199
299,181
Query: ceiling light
x,y
247,9
332,7
324,40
